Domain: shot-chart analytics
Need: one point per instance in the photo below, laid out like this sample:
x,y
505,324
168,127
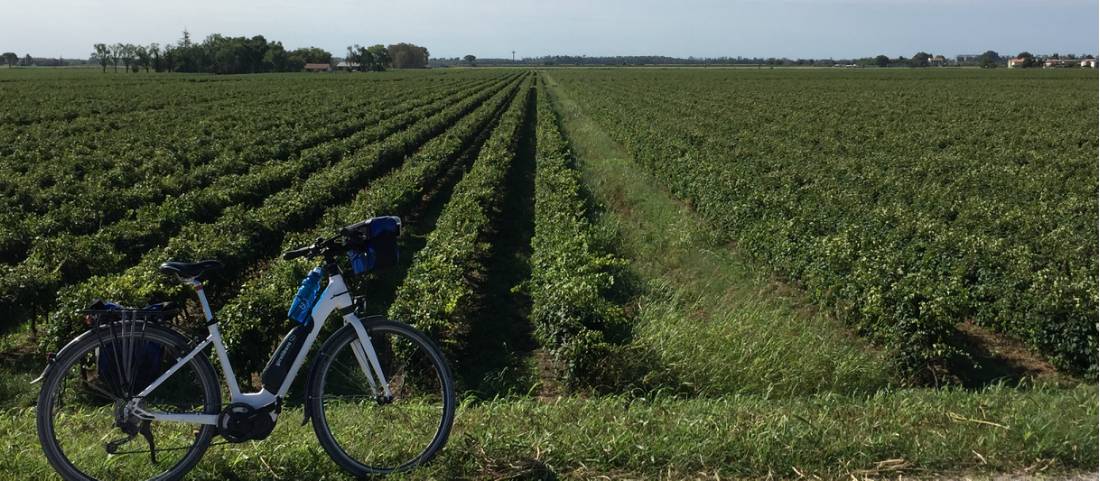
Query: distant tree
x,y
116,52
154,57
127,53
102,55
255,50
920,59
1028,59
310,55
989,59
276,58
355,57
379,57
407,55
366,60
27,60
9,58
470,59
374,58
186,56
229,55
142,57
350,54
882,61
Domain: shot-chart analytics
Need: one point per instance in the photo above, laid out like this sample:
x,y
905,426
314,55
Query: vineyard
x,y
635,273
907,214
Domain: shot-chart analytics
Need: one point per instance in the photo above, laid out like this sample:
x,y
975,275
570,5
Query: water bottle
x,y
302,307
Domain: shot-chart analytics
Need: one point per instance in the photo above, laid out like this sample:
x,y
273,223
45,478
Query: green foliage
x,y
570,276
77,170
66,258
440,293
706,319
905,217
243,234
989,59
1029,60
263,299
220,54
370,59
407,55
311,55
920,59
987,434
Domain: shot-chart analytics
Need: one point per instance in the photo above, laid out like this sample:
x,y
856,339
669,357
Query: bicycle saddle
x,y
187,270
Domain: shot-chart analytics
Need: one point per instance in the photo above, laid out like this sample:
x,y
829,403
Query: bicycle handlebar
x,y
296,253
319,247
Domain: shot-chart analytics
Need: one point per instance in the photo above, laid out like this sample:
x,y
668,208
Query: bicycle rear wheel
x,y
369,433
85,429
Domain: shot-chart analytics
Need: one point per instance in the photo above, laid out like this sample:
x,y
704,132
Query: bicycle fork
x,y
368,361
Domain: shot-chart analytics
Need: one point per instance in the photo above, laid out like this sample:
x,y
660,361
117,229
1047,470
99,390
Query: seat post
x,y
197,284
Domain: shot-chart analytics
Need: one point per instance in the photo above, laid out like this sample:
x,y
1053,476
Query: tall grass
x,y
905,432
717,325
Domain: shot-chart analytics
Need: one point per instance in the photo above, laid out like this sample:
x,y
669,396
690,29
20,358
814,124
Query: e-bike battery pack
x,y
279,366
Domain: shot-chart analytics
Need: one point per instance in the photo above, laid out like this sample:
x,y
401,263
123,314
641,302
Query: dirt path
x,y
500,353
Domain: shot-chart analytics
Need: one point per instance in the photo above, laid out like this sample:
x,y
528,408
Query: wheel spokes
x,y
91,425
391,433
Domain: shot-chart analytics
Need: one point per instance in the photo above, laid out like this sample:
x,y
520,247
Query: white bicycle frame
x,y
334,297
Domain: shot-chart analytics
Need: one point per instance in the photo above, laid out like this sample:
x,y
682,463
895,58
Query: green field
x,y
635,273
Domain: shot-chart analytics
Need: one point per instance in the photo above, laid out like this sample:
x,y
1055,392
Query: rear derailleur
x,y
129,424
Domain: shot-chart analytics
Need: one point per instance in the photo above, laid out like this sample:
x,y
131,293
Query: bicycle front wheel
x,y
362,428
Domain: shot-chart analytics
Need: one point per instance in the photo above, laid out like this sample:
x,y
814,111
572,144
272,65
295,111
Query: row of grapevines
x,y
66,259
571,277
102,197
244,234
887,210
51,140
440,291
78,94
262,301
36,99
140,151
943,235
112,203
193,132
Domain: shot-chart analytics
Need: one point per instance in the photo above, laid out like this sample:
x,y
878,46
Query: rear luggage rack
x,y
125,360
101,317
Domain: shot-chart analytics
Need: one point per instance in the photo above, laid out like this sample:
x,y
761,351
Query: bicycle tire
x,y
325,357
87,343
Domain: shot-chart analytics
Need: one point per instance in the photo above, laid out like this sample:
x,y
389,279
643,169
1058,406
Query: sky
x,y
532,28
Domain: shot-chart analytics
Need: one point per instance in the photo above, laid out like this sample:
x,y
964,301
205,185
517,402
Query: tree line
x,y
377,57
11,59
988,59
220,54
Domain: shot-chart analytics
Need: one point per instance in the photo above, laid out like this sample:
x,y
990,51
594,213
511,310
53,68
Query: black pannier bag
x,y
142,359
372,244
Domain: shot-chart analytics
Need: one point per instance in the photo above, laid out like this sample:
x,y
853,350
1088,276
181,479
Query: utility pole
x,y
513,56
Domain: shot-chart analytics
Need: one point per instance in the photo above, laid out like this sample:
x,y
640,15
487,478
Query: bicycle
x,y
379,393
